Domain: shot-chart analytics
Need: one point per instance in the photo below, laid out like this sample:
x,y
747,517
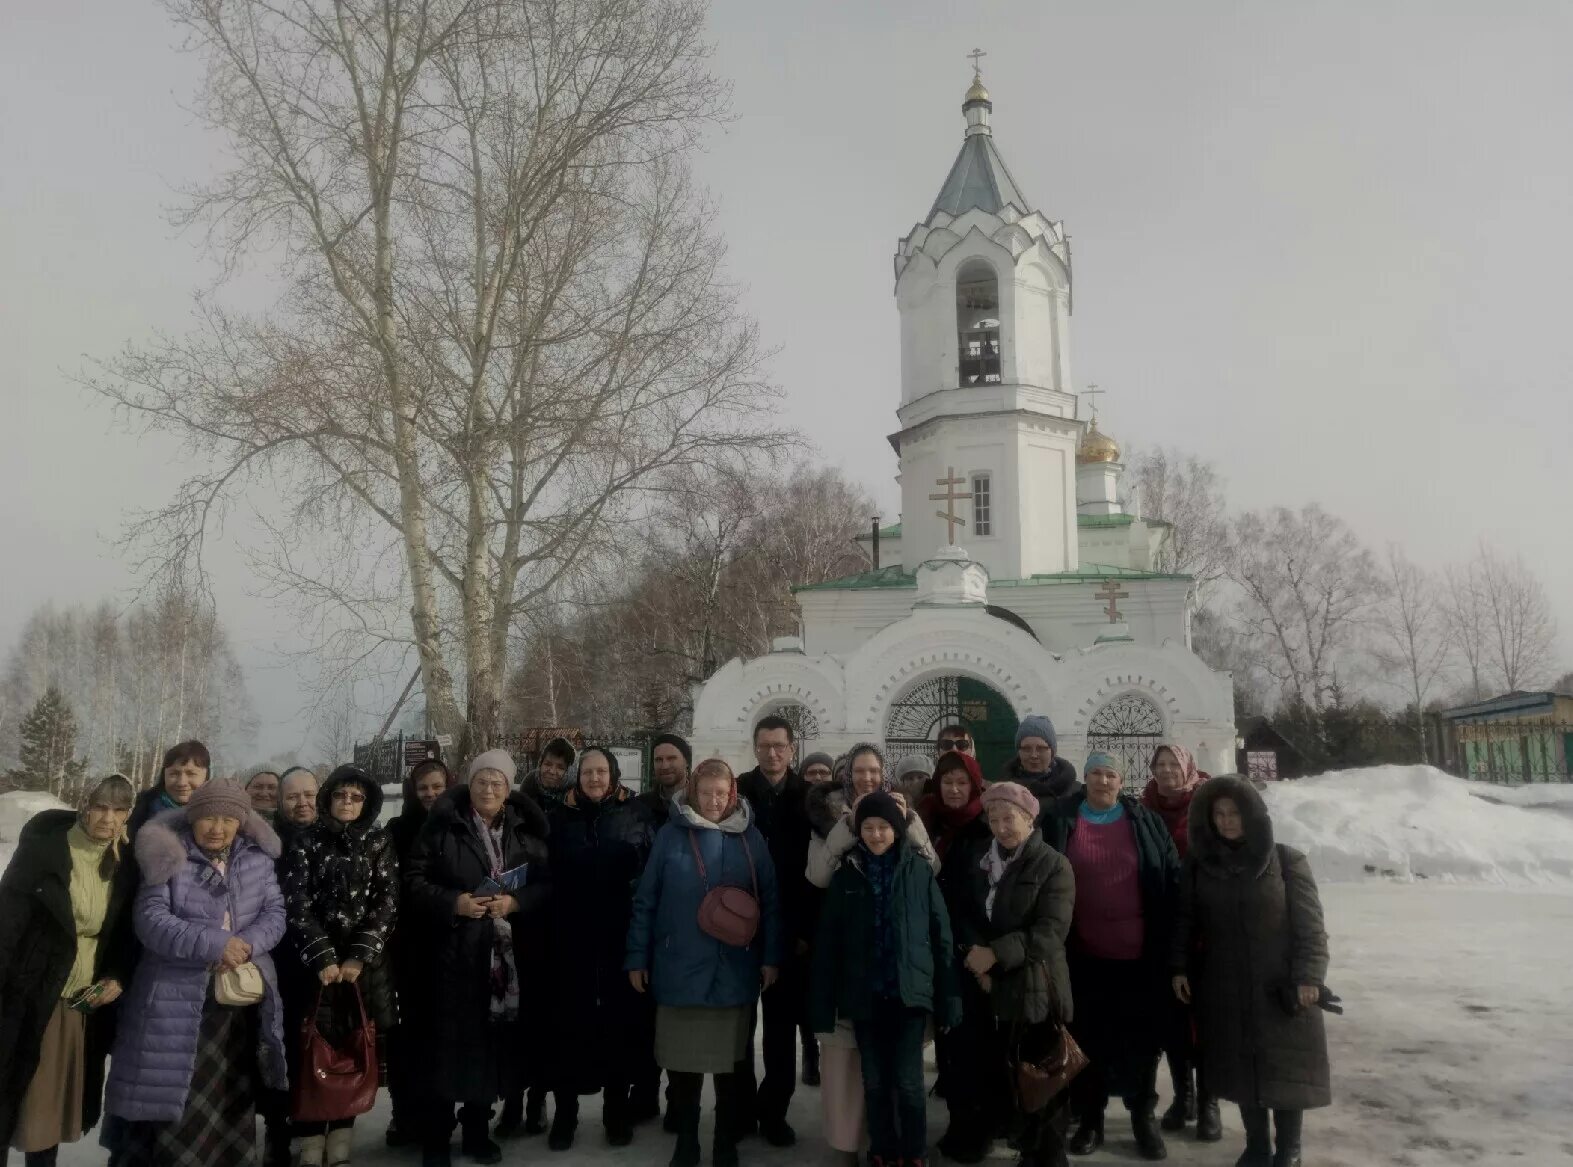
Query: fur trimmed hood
x,y
824,804
164,843
1205,845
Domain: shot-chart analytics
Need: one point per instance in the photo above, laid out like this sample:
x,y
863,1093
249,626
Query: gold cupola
x,y
1096,447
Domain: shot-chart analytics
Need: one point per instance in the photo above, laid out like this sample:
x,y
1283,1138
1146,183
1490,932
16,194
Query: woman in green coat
x,y
882,962
1249,949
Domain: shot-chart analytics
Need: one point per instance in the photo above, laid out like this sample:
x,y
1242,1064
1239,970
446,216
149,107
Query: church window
x,y
982,505
977,323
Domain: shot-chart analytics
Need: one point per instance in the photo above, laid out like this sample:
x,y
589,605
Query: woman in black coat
x,y
1251,951
469,908
426,782
56,893
340,880
600,840
1011,928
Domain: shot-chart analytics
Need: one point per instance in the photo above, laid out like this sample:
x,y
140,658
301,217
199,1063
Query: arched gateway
x,y
917,717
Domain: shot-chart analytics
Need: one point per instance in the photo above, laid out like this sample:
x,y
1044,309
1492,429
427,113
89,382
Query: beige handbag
x,y
239,986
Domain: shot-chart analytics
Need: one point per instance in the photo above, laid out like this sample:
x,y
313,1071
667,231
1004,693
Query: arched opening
x,y
917,717
805,726
1130,727
977,323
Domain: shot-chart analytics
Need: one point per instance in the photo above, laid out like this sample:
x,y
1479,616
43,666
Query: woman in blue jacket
x,y
703,986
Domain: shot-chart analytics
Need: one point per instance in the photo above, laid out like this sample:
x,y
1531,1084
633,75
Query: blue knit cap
x,y
1036,725
1098,760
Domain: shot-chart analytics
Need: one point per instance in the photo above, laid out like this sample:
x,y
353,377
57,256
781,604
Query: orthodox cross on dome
x,y
951,497
975,56
1112,591
1094,392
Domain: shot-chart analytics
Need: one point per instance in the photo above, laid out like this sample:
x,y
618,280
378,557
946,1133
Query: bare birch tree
x,y
1521,632
1411,646
1464,613
1306,584
505,320
1185,492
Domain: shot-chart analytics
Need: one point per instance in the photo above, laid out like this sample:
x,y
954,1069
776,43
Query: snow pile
x,y
1415,822
1553,794
15,809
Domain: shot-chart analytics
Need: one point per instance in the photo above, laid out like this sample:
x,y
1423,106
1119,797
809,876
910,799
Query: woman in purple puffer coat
x,y
185,1068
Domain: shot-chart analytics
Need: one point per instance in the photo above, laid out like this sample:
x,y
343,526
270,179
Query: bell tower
x,y
983,287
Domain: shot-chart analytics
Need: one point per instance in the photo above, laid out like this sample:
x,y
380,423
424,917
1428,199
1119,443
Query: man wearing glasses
x,y
775,792
955,737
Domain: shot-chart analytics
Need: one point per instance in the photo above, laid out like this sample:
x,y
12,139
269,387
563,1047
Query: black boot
x,y
476,1143
615,1116
728,1091
1089,1135
1258,1138
810,1062
435,1154
1209,1123
966,1139
565,1121
512,1117
1149,1140
1288,1124
686,1120
275,1146
42,1158
535,1111
1183,1109
644,1100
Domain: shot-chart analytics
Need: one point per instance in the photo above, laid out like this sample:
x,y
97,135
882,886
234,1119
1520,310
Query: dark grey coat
x,y
1250,923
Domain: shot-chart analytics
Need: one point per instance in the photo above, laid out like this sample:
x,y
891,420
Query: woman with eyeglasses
x,y
1039,767
341,893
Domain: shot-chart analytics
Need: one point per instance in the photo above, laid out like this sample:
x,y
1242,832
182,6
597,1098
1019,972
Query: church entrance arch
x,y
915,719
1130,727
805,726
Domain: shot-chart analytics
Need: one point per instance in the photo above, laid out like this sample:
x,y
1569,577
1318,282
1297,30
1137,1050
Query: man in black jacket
x,y
671,757
775,792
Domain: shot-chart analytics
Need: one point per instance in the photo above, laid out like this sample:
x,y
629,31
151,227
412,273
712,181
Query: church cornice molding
x,y
977,422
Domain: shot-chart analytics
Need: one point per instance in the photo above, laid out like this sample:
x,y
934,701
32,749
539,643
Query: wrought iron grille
x,y
1130,727
915,719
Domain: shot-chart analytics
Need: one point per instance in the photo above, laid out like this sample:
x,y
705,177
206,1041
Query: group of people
x,y
519,945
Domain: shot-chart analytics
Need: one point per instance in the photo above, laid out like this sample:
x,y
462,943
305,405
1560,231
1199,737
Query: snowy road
x,y
1457,1047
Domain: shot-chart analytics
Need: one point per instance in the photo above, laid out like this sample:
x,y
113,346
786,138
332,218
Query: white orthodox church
x,y
1021,577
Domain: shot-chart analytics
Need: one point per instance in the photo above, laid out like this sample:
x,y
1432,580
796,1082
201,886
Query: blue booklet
x,y
509,881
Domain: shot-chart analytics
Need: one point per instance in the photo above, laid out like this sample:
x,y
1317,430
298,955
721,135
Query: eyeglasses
x,y
964,745
773,748
348,796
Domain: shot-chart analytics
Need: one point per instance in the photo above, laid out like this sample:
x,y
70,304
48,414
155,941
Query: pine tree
x,y
48,743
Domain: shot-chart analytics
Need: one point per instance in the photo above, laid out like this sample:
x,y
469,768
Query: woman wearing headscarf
x,y
1127,881
1250,950
952,808
704,986
1012,929
600,839
341,895
54,898
830,814
187,1068
1168,795
426,782
477,872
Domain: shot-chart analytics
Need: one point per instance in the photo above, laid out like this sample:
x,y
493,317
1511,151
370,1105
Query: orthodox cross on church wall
x,y
1112,591
951,497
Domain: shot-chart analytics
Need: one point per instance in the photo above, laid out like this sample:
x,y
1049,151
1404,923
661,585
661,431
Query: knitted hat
x,y
913,764
671,739
499,760
879,805
219,798
1098,760
1013,794
1036,725
824,760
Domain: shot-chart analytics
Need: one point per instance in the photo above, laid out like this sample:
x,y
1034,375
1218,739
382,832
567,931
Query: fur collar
x,y
1205,845
825,804
164,843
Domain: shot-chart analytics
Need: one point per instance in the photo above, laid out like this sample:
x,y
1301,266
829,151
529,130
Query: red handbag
x,y
729,914
335,1082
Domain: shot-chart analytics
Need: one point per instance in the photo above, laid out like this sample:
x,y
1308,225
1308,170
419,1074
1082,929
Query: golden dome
x,y
976,93
1097,447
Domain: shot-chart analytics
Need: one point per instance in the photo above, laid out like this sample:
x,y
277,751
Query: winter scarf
x,y
945,823
505,974
994,863
1175,809
881,872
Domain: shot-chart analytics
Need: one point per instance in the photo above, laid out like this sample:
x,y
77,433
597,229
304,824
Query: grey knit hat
x,y
499,760
219,798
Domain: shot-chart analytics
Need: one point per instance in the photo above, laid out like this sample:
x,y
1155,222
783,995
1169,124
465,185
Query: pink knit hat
x,y
1013,793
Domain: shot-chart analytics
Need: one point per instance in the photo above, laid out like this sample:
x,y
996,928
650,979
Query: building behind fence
x,y
1512,739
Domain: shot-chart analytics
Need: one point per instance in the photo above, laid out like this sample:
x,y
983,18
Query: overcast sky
x,y
1325,246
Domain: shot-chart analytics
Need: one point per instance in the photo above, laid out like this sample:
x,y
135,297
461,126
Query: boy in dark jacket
x,y
882,961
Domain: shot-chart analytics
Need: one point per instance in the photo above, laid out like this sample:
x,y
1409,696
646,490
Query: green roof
x,y
1097,521
891,532
898,576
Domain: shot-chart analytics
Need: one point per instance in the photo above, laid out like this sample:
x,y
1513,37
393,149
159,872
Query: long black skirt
x,y
219,1125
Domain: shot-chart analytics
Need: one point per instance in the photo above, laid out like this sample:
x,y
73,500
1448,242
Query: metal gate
x,y
916,718
1130,727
